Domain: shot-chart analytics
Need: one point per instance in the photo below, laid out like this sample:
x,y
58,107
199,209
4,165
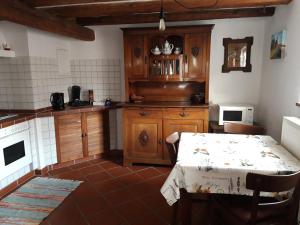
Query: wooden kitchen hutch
x,y
161,89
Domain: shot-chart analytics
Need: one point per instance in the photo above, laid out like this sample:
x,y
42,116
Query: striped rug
x,y
35,200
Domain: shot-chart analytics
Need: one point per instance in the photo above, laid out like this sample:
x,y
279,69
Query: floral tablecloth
x,y
219,163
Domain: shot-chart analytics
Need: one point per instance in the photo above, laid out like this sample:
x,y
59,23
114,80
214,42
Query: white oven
x,y
15,152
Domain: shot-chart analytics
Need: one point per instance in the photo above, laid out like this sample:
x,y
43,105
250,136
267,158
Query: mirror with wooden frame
x,y
237,54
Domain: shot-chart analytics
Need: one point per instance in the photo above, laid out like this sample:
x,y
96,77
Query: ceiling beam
x,y
47,3
150,6
188,3
200,15
17,12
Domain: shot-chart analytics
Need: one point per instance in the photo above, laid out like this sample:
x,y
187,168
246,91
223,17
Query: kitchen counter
x,y
163,104
25,115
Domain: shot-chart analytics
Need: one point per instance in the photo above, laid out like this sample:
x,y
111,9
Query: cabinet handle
x,y
160,141
143,114
183,114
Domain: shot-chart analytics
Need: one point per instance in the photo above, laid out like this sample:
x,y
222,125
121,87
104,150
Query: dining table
x,y
212,163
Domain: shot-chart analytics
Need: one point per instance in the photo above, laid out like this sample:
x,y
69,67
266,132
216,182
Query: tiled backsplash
x,y
27,82
101,75
46,80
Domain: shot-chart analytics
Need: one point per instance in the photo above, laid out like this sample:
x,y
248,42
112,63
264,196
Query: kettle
x,y
57,101
108,102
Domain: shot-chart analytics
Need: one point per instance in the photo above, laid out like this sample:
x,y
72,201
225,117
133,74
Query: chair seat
x,y
238,208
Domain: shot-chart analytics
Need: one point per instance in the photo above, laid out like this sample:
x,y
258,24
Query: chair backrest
x,y
237,128
172,142
275,183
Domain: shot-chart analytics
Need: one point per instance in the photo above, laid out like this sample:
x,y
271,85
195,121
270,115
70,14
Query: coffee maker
x,y
57,101
75,96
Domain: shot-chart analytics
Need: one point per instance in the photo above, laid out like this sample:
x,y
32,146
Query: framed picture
x,y
278,45
237,54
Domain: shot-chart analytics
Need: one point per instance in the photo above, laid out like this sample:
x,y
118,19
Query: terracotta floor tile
x,y
106,217
115,195
92,205
133,211
67,213
148,173
154,200
80,165
119,171
138,167
104,187
164,169
149,220
110,165
72,175
85,191
119,197
130,179
141,189
97,161
165,213
89,170
156,182
59,171
100,176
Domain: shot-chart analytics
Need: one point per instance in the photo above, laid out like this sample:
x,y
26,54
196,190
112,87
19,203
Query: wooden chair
x,y
172,142
237,128
256,210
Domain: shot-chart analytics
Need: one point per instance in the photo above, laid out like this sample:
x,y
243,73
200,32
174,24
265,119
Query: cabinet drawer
x,y
144,113
186,114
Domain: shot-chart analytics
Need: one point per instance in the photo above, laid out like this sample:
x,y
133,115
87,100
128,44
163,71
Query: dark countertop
x,y
163,105
25,115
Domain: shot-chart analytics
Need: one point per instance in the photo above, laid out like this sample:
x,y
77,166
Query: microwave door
x,y
233,116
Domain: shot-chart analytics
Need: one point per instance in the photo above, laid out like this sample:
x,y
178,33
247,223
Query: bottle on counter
x,y
91,97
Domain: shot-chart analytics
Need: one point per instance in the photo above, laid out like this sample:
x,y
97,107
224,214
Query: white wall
x,y
280,78
16,36
45,44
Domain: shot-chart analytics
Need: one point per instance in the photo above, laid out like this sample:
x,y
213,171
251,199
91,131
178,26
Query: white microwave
x,y
236,114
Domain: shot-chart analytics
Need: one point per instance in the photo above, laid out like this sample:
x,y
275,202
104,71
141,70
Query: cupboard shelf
x,y
7,54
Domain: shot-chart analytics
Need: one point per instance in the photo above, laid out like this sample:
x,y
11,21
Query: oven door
x,y
15,153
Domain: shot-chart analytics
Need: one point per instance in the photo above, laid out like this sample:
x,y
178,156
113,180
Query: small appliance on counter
x,y
75,94
75,97
57,101
236,113
108,102
91,97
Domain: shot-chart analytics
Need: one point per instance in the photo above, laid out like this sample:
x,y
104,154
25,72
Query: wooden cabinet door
x,y
136,57
144,138
94,133
69,137
196,57
171,126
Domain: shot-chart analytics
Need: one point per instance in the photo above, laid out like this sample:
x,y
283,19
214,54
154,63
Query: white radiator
x,y
290,135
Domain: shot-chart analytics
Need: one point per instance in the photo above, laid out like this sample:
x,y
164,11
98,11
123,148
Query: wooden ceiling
x,y
67,17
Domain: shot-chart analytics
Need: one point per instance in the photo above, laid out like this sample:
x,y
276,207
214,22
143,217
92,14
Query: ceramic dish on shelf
x,y
156,51
167,52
